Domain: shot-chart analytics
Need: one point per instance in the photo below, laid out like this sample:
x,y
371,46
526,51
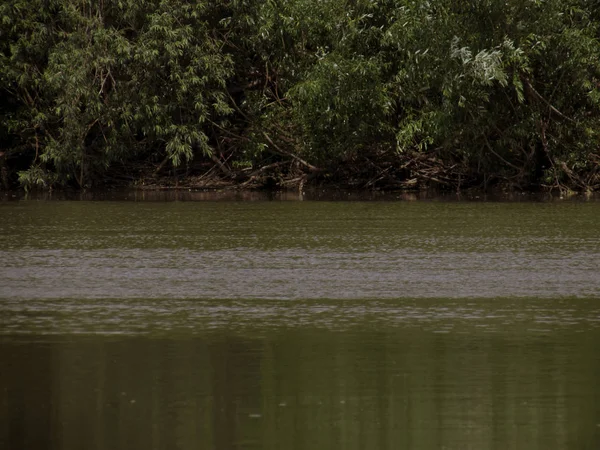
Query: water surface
x,y
299,325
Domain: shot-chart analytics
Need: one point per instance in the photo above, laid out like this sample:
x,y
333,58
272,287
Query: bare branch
x,y
539,97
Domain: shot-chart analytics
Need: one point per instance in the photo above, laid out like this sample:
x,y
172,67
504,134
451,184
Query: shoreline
x,y
310,193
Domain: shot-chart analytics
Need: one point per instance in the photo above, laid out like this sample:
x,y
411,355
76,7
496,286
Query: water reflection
x,y
303,388
310,194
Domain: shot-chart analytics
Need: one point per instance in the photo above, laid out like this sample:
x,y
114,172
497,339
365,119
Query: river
x,y
227,323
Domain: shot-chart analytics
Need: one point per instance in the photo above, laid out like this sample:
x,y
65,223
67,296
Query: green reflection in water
x,y
304,388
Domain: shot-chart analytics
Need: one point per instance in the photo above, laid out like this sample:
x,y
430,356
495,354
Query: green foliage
x,y
508,89
342,105
100,83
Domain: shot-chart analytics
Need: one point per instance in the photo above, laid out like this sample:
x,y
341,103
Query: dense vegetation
x,y
371,93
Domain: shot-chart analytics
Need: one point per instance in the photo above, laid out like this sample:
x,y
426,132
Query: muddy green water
x,y
299,325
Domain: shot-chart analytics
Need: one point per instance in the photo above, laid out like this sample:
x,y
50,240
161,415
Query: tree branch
x,y
539,97
291,155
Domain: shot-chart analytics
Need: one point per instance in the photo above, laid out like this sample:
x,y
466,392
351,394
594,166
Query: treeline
x,y
370,93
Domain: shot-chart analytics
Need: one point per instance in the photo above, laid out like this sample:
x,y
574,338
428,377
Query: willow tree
x,y
492,90
99,82
509,91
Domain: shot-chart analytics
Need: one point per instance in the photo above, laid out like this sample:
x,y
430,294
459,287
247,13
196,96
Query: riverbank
x,y
370,171
326,194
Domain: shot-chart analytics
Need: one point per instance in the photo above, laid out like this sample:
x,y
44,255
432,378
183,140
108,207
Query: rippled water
x,y
271,324
164,316
296,250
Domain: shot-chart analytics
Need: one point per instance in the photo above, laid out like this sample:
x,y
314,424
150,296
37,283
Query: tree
x,y
100,83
